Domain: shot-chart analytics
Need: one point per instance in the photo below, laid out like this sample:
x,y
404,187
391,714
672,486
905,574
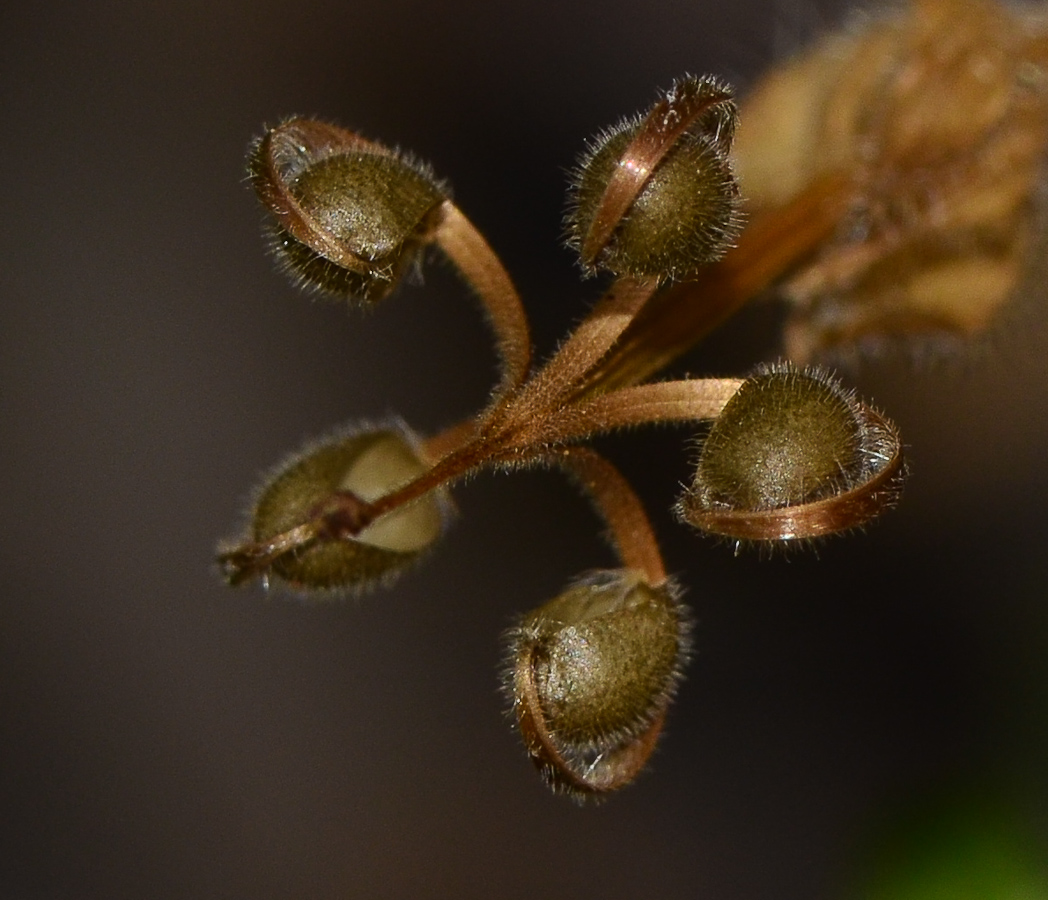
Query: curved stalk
x,y
629,528
483,271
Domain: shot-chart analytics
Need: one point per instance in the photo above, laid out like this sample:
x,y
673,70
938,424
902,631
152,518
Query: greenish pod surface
x,y
351,215
786,437
793,456
592,673
685,216
368,466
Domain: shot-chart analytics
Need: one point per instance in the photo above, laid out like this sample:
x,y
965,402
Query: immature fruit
x,y
314,489
592,674
655,196
793,455
351,216
786,437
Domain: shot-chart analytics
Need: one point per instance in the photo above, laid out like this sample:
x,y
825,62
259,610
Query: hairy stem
x,y
586,345
678,318
483,271
617,504
693,400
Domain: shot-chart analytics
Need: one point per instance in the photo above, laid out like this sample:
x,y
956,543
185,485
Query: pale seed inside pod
x,y
368,466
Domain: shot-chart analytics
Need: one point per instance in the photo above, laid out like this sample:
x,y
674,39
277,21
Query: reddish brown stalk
x,y
693,400
676,319
618,505
458,452
523,439
449,440
250,559
583,349
519,440
485,274
468,457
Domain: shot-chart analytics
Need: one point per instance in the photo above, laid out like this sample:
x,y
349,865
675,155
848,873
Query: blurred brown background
x,y
162,736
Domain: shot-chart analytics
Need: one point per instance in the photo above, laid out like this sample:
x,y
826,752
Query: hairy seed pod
x,y
655,196
351,215
793,455
591,674
316,494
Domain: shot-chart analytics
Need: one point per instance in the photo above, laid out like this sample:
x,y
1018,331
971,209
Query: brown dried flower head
x,y
935,119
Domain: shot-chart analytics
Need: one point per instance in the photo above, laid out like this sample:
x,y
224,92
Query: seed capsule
x,y
793,455
302,527
592,673
351,215
656,196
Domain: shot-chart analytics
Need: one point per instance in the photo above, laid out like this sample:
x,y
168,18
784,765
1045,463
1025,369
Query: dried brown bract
x,y
934,120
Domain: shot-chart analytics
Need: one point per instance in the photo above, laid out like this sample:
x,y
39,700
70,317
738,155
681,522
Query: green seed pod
x,y
656,197
786,437
591,675
318,491
351,216
793,455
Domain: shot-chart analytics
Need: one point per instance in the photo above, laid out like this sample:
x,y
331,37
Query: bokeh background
x,y
853,722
